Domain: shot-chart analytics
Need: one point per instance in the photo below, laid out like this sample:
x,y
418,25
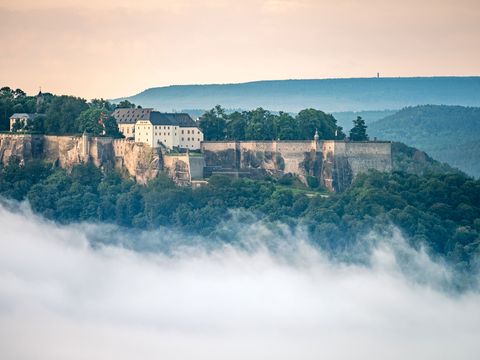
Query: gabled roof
x,y
130,116
158,118
182,119
171,119
23,115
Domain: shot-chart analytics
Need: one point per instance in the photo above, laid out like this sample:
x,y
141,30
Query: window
x,y
182,133
183,139
188,139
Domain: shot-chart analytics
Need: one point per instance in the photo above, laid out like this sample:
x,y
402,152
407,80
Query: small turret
x,y
316,137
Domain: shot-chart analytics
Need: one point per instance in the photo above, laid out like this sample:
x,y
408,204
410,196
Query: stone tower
x,y
39,105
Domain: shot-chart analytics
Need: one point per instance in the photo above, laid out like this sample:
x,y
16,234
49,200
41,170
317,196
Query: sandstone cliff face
x,y
19,146
137,160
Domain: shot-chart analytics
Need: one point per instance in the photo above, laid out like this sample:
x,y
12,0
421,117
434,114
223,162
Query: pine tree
x,y
359,130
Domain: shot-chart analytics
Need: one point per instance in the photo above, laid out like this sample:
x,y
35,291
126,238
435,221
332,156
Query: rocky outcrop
x,y
136,160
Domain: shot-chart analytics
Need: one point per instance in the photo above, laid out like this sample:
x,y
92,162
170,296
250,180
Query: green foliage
x,y
359,130
14,101
413,161
62,113
125,104
97,121
260,124
213,123
438,211
449,134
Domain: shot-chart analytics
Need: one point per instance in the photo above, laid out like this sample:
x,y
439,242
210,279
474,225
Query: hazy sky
x,y
119,47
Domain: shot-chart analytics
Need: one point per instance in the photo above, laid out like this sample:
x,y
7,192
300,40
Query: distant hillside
x,y
449,134
330,95
345,118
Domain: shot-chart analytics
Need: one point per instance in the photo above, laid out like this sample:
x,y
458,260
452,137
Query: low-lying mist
x,y
97,292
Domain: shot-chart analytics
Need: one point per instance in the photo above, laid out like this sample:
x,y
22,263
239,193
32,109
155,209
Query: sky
x,y
118,48
61,298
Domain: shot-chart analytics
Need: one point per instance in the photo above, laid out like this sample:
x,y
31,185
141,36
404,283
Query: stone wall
x,y
183,168
334,163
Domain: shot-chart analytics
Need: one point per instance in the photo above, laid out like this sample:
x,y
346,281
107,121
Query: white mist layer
x,y
61,299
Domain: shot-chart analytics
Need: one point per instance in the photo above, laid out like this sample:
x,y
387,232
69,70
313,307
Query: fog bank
x,y
61,298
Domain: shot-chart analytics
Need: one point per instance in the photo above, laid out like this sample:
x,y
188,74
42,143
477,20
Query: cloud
x,y
62,298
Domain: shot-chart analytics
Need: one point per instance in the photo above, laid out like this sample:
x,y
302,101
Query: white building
x,y
126,119
22,120
168,130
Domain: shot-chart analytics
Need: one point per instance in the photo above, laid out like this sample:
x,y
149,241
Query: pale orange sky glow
x,y
118,48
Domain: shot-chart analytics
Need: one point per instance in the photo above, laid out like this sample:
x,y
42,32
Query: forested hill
x,y
327,94
448,133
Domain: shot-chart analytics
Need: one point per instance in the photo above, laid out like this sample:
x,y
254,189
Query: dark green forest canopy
x,y
260,124
59,115
448,133
440,211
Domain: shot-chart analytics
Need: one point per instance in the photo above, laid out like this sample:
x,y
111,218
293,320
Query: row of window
x,y
193,132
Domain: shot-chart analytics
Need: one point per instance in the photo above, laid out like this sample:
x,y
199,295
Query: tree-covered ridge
x,y
448,133
438,211
331,95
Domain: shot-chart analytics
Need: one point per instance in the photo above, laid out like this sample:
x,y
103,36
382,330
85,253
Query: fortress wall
x,y
221,154
217,145
197,163
293,147
363,156
65,151
178,168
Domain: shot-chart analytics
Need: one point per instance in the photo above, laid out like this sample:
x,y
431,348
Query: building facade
x,y
21,121
169,131
126,119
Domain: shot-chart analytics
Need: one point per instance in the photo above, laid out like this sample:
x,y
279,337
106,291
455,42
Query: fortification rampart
x,y
334,163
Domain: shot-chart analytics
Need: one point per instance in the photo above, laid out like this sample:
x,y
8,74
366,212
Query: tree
x,y
97,122
102,104
359,130
236,125
213,123
62,113
260,125
125,104
286,127
309,120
